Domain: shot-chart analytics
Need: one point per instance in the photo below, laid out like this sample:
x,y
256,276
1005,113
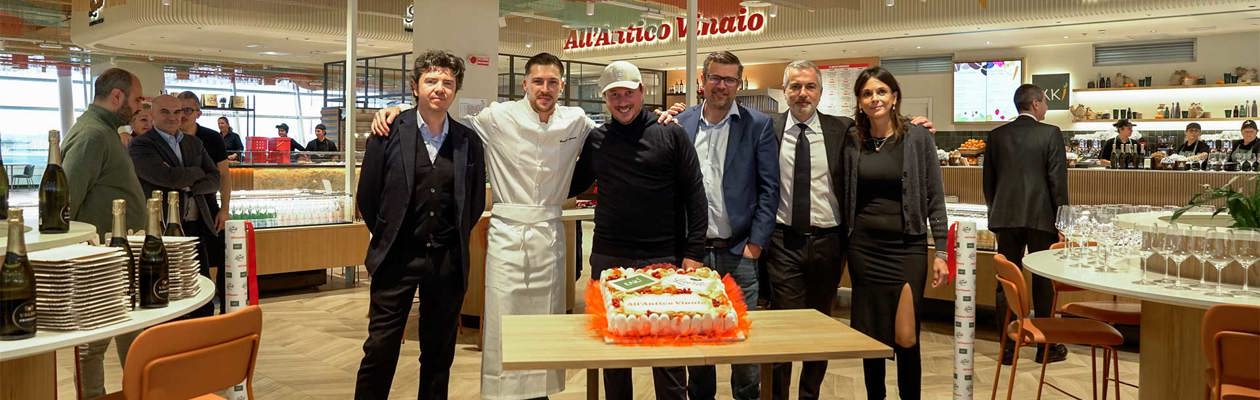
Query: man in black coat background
x,y
1025,182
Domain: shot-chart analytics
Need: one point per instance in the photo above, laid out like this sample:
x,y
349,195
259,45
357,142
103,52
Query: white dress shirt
x,y
823,205
711,143
433,140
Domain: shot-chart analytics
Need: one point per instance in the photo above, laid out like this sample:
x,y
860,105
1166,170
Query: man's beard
x,y
125,113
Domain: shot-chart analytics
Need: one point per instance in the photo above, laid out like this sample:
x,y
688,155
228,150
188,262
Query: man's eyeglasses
x,y
188,110
716,79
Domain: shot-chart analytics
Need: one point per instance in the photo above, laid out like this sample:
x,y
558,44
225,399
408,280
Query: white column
x,y
469,29
348,130
65,92
692,28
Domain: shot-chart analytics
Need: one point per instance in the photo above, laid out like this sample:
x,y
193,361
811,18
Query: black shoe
x,y
1058,352
1008,356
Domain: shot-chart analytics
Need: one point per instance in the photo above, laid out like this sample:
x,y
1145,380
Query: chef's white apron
x,y
529,165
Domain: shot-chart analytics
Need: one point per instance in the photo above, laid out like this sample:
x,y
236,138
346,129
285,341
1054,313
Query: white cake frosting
x,y
661,301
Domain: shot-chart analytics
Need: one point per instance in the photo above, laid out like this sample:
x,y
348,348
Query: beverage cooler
x,y
301,225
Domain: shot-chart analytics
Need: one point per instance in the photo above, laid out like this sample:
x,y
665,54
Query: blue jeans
x,y
745,384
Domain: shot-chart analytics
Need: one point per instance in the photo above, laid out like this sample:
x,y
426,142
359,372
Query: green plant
x,y
1243,207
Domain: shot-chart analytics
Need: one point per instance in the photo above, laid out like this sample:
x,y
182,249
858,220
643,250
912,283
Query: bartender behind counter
x,y
1192,146
1124,131
1246,146
321,144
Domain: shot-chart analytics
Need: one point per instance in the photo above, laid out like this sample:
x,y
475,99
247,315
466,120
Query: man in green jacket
x,y
97,165
99,170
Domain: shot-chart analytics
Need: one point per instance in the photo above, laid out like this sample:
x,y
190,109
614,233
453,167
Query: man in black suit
x,y
1025,182
805,258
421,190
167,159
212,239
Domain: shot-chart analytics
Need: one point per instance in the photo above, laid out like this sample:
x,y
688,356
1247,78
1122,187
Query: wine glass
x,y
1150,246
1220,243
1104,229
1246,252
1200,249
1063,222
1179,244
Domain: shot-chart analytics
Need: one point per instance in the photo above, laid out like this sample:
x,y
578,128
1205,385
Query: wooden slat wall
x,y
1101,186
308,248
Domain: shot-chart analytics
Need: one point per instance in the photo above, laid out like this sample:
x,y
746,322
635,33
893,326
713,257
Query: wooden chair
x,y
1025,331
1231,344
1111,312
194,358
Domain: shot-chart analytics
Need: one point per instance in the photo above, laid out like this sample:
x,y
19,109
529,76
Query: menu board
x,y
837,84
984,91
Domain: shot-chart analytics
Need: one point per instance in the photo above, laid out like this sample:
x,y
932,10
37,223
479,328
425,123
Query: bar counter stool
x,y
1025,331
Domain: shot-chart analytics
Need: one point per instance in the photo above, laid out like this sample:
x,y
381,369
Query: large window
x,y
281,102
30,106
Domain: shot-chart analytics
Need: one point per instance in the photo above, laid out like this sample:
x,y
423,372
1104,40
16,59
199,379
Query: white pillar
x,y
692,28
65,91
348,130
469,29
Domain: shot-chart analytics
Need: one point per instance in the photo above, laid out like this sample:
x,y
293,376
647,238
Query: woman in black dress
x,y
893,195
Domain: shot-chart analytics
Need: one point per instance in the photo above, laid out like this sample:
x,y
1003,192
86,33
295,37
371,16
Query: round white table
x,y
79,232
1171,359
28,368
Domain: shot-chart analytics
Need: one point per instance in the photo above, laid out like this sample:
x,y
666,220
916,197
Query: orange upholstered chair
x,y
194,358
1231,344
1025,331
1112,311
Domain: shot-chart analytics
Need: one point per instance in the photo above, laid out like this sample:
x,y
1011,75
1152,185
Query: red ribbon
x,y
952,259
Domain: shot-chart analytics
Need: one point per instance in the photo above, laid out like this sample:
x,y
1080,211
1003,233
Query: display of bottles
x,y
118,238
173,217
1253,111
17,284
291,212
1115,156
154,268
4,193
54,191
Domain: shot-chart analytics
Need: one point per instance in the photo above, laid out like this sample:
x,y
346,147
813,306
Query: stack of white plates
x,y
80,287
181,254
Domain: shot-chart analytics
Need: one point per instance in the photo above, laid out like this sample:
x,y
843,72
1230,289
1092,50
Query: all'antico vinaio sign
x,y
746,22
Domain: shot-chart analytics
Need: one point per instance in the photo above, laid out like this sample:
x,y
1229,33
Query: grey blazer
x,y
922,192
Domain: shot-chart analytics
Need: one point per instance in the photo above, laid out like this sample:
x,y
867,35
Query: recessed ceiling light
x,y
252,45
272,53
918,47
988,42
1065,36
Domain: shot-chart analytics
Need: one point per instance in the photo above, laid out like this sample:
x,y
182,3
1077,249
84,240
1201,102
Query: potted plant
x,y
1244,208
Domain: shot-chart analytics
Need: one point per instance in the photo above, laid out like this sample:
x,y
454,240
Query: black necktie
x,y
800,182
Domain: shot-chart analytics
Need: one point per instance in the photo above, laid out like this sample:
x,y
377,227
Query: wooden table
x,y
1171,361
563,341
28,367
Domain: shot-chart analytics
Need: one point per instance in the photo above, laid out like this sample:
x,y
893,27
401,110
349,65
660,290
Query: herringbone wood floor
x,y
312,345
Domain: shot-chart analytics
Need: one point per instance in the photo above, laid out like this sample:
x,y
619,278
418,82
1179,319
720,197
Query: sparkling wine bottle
x,y
17,285
173,217
54,191
118,239
154,267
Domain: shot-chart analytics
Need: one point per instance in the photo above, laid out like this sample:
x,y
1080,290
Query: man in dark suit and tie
x,y
421,190
168,160
739,160
1025,182
805,258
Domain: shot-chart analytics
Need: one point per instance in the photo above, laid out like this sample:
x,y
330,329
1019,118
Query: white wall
x,y
1216,55
463,28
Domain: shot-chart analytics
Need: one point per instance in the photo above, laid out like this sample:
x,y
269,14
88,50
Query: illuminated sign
x,y
746,22
94,13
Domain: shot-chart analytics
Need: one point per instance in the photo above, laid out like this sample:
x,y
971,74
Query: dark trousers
x,y
804,272
210,251
670,382
1012,244
745,378
438,275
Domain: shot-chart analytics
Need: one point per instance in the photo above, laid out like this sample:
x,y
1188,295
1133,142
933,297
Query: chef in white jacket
x,y
532,146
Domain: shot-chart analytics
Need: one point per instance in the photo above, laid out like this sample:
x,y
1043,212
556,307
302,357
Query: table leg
x,y
592,384
1171,362
767,381
29,378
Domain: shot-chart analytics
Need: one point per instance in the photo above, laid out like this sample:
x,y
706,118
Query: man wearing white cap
x,y
652,205
532,145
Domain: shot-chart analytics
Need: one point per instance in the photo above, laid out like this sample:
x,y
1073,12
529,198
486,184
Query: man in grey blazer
x,y
168,160
1025,182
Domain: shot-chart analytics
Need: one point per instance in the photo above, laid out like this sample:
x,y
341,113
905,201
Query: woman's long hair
x,y
900,123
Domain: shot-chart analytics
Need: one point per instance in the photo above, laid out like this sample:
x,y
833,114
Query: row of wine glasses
x,y
1096,240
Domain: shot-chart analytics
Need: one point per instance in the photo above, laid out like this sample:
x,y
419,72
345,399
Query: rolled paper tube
x,y
686,325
